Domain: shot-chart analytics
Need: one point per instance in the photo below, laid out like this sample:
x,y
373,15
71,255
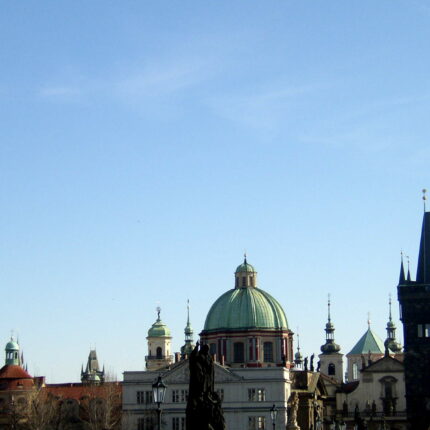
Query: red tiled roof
x,y
12,371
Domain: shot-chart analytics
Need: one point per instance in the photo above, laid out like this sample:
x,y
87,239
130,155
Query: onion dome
x,y
159,329
391,343
245,306
330,346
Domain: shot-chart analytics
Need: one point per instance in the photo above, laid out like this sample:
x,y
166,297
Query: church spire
x,y
423,269
298,357
402,270
330,346
390,342
188,347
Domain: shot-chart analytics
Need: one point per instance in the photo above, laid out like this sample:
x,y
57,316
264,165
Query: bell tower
x,y
331,360
159,345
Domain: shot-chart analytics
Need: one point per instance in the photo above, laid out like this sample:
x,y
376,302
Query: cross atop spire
x,y
328,305
424,198
158,309
368,320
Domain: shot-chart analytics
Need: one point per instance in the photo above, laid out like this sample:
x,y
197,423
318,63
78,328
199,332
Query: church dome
x,y
245,267
159,329
245,308
12,346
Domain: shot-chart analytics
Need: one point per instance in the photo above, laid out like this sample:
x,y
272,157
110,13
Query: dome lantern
x,y
245,275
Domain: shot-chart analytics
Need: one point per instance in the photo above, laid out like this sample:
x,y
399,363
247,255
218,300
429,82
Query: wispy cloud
x,y
65,93
267,108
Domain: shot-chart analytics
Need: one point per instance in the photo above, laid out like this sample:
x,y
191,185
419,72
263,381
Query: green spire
x,y
188,347
390,342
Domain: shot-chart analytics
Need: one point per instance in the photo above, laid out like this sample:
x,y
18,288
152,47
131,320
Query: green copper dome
x,y
12,346
245,267
159,329
245,308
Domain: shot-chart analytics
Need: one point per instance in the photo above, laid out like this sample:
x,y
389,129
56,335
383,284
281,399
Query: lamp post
x,y
158,393
273,415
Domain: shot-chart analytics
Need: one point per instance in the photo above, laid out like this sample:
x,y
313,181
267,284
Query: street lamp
x,y
273,415
158,393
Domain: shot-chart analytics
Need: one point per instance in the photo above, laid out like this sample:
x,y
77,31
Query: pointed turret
x,y
330,346
298,357
188,347
402,271
423,270
390,342
330,358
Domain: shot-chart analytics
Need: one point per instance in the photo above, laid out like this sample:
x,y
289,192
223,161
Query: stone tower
x,y
92,373
414,298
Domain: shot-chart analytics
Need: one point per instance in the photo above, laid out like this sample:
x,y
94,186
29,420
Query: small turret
x,y
402,271
245,275
331,360
390,342
159,345
298,357
12,353
188,347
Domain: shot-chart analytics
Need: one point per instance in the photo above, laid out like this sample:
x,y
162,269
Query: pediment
x,y
385,365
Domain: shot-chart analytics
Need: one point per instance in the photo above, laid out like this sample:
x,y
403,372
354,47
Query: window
x,y
331,369
159,352
179,396
144,397
244,281
256,423
268,352
354,371
256,394
145,423
140,397
239,352
178,423
423,330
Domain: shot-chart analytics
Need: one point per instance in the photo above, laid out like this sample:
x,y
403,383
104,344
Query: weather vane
x,y
158,309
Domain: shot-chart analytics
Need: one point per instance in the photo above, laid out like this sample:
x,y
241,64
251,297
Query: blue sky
x,y
145,145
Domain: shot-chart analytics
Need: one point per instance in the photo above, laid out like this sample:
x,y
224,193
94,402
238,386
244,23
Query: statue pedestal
x,y
293,427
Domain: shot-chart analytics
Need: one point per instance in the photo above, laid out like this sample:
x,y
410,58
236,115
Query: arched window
x,y
331,369
159,352
268,352
239,352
